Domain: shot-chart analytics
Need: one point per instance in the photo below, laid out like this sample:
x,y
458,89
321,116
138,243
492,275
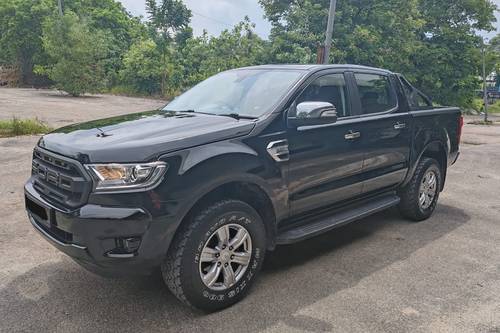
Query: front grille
x,y
60,180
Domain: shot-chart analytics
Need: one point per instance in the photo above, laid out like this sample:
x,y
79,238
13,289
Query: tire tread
x,y
408,207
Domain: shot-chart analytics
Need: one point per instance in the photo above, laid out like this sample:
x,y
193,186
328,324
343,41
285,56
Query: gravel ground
x,y
58,109
383,274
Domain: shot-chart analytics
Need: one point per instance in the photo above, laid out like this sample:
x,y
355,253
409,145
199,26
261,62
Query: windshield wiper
x,y
232,115
236,116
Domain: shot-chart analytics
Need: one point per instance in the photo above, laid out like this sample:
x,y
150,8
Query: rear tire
x,y
420,196
202,269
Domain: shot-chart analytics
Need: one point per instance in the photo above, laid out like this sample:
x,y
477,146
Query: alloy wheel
x,y
225,257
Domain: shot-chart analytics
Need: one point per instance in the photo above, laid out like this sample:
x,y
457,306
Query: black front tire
x,y
409,206
181,267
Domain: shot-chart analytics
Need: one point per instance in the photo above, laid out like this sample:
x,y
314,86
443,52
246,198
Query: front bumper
x,y
109,241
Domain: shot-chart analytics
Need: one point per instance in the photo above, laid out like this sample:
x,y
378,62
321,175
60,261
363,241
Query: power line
x,y
230,25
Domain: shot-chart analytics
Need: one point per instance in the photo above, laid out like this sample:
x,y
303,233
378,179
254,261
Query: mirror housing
x,y
312,113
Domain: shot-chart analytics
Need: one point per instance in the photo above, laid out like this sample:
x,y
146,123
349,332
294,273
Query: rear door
x,y
385,132
324,164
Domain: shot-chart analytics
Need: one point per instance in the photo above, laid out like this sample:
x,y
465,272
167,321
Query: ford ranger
x,y
247,160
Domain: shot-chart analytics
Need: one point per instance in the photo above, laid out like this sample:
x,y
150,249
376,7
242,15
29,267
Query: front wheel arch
x,y
244,190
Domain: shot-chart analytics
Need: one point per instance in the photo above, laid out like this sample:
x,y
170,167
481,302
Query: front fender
x,y
193,173
198,155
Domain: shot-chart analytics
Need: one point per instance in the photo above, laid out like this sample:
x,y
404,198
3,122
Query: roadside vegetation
x,y
96,46
478,106
16,127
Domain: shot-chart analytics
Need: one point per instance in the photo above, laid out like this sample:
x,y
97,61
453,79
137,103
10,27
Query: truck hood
x,y
142,136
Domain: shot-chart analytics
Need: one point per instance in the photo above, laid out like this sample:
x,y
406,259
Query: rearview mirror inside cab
x,y
312,113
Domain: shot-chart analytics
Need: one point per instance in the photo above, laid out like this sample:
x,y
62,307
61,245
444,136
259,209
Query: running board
x,y
337,219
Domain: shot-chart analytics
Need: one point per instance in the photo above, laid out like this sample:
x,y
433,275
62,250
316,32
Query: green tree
x,y
77,53
121,28
20,34
168,22
205,56
449,41
433,42
493,58
142,67
21,30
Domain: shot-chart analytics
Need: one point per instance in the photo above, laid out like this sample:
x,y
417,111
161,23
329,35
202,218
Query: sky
x,y
217,15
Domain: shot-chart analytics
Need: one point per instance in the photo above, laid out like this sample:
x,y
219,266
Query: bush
x,y
78,55
477,104
17,127
143,67
494,108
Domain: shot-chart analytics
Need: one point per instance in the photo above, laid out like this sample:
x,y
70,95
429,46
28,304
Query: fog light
x,y
125,247
131,244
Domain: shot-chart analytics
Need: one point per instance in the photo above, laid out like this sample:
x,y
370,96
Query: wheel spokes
x,y
208,255
229,277
238,239
428,200
422,198
223,235
241,258
212,275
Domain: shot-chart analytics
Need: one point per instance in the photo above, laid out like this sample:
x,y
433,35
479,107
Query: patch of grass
x,y
127,91
494,108
18,126
477,106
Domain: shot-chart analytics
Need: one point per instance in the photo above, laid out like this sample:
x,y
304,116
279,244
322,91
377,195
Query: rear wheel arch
x,y
437,151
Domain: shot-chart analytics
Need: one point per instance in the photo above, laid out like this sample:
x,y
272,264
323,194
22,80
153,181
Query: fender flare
x,y
426,148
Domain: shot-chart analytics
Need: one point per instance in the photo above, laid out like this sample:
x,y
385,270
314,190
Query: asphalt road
x,y
382,274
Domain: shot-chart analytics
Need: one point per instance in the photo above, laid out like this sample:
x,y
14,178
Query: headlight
x,y
127,177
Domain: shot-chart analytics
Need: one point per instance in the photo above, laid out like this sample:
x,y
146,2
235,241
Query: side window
x,y
376,93
329,88
416,100
422,102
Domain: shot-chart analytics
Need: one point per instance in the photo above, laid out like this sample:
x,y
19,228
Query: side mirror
x,y
312,113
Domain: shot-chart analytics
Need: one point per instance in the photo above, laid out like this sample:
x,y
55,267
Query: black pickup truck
x,y
247,160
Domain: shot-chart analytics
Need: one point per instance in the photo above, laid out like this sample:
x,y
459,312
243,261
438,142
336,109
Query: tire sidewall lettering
x,y
229,218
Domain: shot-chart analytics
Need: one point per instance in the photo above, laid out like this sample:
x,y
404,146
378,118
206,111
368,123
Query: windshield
x,y
244,92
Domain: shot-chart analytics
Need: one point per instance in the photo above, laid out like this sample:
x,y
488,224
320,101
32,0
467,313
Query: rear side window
x,y
376,93
416,100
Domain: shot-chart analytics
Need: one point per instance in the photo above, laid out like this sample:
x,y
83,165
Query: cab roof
x,y
314,67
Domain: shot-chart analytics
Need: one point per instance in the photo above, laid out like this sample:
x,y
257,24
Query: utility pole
x,y
485,87
329,31
59,2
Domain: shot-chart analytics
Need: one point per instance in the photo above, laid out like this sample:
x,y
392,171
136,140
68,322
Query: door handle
x,y
399,126
352,135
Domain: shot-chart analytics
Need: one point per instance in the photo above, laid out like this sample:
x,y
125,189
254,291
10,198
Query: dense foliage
x,y
77,54
434,43
98,46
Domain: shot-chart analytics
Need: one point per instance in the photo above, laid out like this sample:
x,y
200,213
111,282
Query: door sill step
x,y
339,218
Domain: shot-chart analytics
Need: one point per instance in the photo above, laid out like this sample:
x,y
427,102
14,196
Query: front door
x,y
326,160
